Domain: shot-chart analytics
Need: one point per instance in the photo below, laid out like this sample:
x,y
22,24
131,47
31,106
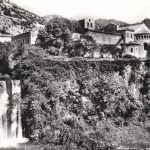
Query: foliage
x,y
129,56
115,52
57,35
6,49
69,103
57,32
79,47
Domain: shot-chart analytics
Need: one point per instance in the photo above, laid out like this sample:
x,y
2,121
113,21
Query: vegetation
x,y
79,103
57,32
84,104
6,49
14,20
56,39
129,56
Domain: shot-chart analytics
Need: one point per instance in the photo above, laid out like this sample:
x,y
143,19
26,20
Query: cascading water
x,y
10,115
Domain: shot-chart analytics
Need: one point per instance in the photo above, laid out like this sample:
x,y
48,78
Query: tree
x,y
6,49
80,47
113,50
57,32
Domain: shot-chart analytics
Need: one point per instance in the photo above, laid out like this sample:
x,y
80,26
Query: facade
x,y
5,37
104,37
87,23
25,38
132,48
137,39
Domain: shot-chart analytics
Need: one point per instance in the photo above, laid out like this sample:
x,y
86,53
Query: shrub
x,y
129,56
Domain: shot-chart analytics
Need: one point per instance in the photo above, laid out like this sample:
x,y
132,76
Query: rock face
x,y
15,20
84,103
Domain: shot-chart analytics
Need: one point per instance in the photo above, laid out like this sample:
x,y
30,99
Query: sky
x,y
129,11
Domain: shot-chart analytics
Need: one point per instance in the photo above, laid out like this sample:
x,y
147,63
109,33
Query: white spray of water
x,y
10,137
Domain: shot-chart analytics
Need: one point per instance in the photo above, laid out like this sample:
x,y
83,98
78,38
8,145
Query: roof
x,y
133,26
143,31
126,29
5,35
132,43
24,33
139,28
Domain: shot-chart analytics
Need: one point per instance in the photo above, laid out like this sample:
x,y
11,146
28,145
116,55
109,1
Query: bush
x,y
129,56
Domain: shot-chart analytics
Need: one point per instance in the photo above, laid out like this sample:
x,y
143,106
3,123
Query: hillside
x,y
101,23
15,20
147,22
47,18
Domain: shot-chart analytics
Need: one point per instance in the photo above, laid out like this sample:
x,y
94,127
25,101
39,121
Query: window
x,y
131,50
131,35
91,25
138,37
89,20
87,24
142,36
127,35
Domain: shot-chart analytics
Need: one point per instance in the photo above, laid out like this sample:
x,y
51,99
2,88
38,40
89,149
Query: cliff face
x,y
83,103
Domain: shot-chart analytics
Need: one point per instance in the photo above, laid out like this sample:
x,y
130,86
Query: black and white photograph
x,y
74,74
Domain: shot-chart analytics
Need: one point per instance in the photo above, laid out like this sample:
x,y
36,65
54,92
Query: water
x,y
10,115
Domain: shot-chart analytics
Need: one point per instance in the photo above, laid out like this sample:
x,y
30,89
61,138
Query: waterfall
x,y
10,114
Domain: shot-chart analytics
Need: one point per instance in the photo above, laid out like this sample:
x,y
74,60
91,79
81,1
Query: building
x,y
136,39
5,37
87,23
75,36
99,36
104,37
25,38
133,39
